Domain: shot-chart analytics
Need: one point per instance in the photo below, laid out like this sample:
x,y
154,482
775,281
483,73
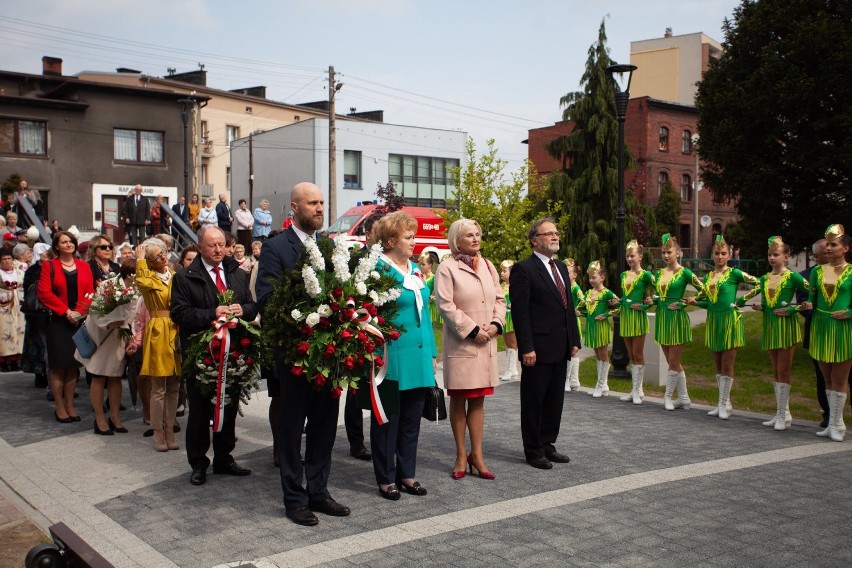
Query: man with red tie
x,y
194,307
548,335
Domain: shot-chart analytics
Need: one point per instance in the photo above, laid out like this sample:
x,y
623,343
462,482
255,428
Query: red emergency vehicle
x,y
430,237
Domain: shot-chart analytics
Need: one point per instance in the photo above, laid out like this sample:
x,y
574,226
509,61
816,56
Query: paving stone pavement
x,y
645,487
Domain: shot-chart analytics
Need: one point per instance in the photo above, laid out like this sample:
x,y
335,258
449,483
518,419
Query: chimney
x,y
51,66
668,32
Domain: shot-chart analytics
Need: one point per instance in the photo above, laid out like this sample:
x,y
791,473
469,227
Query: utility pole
x,y
696,187
251,172
332,150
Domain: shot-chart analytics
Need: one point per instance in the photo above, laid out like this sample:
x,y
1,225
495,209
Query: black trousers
x,y
394,444
198,430
542,395
137,233
299,400
353,419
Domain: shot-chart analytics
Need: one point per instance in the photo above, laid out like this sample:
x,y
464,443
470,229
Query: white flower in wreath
x,y
314,254
361,288
312,319
375,275
312,284
324,310
296,315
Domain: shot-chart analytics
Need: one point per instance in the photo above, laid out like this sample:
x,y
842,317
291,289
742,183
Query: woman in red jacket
x,y
63,286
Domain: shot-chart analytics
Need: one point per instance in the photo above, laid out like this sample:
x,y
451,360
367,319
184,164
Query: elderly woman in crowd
x,y
160,360
262,222
245,224
22,255
100,257
207,216
410,365
63,286
106,365
469,297
11,319
33,355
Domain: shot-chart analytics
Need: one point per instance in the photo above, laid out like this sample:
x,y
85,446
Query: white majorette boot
x,y
602,386
682,394
629,396
771,422
597,377
574,379
836,425
671,383
829,394
715,411
725,384
782,396
511,365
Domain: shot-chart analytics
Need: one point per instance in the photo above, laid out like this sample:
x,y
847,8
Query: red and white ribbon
x,y
222,325
362,317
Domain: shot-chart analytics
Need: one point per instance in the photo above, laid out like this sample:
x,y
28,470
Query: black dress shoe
x,y
67,420
413,489
107,432
198,476
76,419
329,507
147,433
556,457
230,469
302,516
361,453
121,430
540,463
391,493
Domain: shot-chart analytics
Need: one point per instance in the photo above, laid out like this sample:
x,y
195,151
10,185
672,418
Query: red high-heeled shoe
x,y
457,474
481,474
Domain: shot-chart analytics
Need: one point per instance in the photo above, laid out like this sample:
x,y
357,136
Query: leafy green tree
x,y
668,210
587,185
775,119
498,201
10,185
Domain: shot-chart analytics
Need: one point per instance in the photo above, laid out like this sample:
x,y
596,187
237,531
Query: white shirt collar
x,y
302,234
209,268
546,262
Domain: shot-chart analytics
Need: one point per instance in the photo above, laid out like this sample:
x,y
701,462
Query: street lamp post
x,y
620,357
186,107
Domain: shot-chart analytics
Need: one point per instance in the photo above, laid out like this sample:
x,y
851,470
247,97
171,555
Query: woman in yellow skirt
x,y
781,330
572,378
598,327
831,326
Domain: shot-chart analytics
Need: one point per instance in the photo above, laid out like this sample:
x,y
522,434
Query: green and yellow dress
x,y
508,328
433,308
634,323
672,327
779,332
831,339
598,333
578,298
725,329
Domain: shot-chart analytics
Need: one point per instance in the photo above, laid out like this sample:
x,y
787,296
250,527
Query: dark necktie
x,y
220,284
559,283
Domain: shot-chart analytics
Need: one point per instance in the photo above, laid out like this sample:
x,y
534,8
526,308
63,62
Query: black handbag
x,y
435,408
31,305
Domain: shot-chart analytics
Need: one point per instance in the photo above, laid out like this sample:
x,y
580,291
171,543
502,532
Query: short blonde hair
x,y
392,225
457,229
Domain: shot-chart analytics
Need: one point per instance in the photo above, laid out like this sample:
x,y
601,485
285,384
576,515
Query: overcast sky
x,y
491,68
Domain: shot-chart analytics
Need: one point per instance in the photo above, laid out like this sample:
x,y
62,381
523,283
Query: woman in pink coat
x,y
469,297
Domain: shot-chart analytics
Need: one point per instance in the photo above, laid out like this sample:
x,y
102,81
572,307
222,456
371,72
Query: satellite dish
x,y
705,221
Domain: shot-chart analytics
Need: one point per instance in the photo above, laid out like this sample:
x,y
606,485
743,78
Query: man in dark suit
x,y
296,399
182,211
137,215
194,305
548,335
223,213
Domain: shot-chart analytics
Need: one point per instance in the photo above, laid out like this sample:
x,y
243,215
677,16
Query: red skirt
x,y
470,393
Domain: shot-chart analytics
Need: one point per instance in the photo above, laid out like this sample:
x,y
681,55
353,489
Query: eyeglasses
x,y
548,234
161,256
104,247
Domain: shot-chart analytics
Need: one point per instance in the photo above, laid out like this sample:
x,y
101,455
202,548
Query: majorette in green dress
x,y
598,333
779,332
672,327
509,328
634,323
831,339
725,329
578,299
433,308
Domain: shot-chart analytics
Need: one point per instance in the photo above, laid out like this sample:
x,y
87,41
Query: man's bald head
x,y
818,250
307,203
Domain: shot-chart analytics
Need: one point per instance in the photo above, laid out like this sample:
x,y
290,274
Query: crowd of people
x,y
537,304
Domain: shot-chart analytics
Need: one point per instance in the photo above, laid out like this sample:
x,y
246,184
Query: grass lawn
x,y
752,389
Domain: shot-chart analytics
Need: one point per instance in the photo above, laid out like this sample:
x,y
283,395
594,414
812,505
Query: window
x,y
662,180
23,137
425,181
686,143
685,188
664,139
203,173
231,134
228,178
204,132
351,169
143,146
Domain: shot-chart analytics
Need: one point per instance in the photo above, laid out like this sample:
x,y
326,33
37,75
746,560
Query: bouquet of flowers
x,y
329,315
226,359
113,303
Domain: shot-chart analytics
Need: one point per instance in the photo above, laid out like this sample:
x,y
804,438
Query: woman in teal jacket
x,y
410,365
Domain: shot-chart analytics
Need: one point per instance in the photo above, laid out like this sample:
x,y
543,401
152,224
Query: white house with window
x,y
419,161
